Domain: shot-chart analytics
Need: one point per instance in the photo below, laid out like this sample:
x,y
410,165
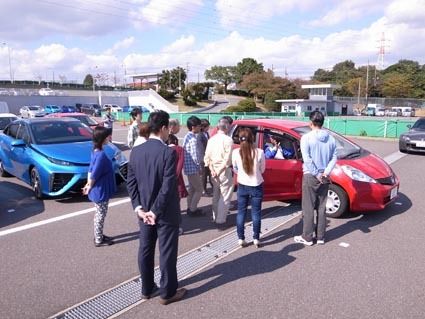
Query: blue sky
x,y
77,37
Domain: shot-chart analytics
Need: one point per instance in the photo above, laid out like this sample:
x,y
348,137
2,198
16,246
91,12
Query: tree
x,y
397,85
221,74
247,66
88,81
323,76
171,80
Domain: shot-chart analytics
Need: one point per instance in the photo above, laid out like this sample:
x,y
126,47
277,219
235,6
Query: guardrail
x,y
354,126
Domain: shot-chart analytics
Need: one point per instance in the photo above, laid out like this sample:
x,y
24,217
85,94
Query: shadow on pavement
x,y
21,200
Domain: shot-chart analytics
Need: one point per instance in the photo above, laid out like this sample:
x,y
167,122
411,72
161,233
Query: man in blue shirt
x,y
318,149
192,166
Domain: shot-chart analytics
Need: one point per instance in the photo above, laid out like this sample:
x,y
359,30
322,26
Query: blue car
x,y
48,109
68,109
128,108
52,155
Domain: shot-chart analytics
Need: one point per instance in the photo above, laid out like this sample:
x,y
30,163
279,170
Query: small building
x,y
320,97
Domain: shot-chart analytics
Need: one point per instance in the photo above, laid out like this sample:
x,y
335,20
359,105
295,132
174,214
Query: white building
x,y
320,98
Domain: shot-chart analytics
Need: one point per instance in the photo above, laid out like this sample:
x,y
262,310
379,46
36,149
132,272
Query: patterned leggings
x,y
99,220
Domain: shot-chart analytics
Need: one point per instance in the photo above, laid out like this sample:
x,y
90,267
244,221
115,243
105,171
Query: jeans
x,y
245,194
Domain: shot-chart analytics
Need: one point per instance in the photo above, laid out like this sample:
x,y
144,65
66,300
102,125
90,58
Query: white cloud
x,y
121,45
250,12
411,12
181,45
349,10
162,12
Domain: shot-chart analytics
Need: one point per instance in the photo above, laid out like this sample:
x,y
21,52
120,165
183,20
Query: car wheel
x,y
337,202
36,183
3,173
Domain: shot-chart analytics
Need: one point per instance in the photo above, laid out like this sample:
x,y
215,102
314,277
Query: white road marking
x,y
59,218
11,211
345,245
394,157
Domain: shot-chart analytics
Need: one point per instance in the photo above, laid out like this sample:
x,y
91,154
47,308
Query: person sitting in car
x,y
275,149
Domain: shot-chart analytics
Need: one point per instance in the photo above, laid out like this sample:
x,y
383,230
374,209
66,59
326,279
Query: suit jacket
x,y
152,181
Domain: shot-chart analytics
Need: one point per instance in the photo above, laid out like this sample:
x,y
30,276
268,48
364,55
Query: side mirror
x,y
409,126
18,143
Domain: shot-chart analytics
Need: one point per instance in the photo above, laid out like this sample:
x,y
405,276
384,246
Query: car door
x,y
21,155
7,149
283,176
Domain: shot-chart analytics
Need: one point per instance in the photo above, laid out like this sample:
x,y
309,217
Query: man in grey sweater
x,y
318,149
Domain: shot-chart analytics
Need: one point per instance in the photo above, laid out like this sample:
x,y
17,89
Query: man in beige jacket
x,y
218,159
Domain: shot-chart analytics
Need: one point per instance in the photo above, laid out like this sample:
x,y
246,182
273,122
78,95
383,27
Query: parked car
x,y
84,118
52,155
31,111
6,119
128,108
361,180
113,107
46,91
51,109
414,139
380,111
68,109
91,109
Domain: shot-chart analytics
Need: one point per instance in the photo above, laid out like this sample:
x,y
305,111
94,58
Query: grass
x,y
184,108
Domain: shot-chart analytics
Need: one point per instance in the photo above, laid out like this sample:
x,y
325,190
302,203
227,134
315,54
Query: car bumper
x,y
371,197
411,146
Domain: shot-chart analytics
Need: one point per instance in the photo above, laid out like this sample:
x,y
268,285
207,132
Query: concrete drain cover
x,y
116,300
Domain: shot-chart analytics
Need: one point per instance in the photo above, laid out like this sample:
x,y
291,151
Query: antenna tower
x,y
381,52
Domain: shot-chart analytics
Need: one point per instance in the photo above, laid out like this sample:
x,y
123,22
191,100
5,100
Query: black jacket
x,y
152,181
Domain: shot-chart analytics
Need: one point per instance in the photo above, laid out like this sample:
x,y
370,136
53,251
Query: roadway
x,y
370,267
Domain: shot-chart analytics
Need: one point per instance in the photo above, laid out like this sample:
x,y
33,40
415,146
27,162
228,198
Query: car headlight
x,y
356,174
58,162
405,138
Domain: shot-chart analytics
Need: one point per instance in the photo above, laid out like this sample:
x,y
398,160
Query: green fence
x,y
355,126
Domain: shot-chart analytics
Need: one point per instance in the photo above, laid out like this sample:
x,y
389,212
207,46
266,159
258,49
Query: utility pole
x,y
358,93
367,80
180,79
10,62
187,74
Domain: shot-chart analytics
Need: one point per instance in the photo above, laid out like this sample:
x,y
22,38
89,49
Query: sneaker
x,y
320,241
106,241
178,296
256,243
154,293
301,240
242,242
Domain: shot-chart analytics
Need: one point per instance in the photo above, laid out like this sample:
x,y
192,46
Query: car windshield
x,y
419,124
4,121
85,119
33,108
59,132
344,148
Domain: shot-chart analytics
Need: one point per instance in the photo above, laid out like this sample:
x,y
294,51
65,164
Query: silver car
x,y
31,111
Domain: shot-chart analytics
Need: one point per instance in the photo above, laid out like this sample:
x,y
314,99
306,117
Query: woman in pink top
x,y
249,163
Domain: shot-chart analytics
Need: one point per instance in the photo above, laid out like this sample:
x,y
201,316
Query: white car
x,y
5,119
46,91
113,107
31,111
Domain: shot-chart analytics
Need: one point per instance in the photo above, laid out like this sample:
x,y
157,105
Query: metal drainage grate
x,y
128,294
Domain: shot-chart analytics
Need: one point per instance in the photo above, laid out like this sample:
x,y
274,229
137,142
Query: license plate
x,y
393,193
420,143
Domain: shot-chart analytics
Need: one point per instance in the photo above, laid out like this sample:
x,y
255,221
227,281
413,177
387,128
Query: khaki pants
x,y
194,191
222,195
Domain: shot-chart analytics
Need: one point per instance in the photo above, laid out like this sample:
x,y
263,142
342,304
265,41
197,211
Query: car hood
x,y
79,152
415,134
371,164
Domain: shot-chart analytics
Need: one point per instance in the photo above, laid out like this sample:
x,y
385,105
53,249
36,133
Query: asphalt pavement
x,y
370,267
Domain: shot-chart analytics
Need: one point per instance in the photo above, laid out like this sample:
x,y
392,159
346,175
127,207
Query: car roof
x,y
7,115
274,123
49,120
65,114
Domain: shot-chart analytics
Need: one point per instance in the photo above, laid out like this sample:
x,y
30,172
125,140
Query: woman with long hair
x,y
249,164
100,183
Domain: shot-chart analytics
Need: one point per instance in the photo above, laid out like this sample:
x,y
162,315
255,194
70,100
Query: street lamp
x,y
10,62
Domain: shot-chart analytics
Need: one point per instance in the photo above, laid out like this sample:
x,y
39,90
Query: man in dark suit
x,y
152,186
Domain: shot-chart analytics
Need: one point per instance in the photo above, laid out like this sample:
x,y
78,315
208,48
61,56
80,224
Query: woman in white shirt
x,y
143,134
249,163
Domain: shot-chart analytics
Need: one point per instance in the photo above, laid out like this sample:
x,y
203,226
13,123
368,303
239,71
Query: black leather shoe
x,y
178,296
106,241
154,293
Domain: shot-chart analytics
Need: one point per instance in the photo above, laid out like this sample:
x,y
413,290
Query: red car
x,y
84,118
361,180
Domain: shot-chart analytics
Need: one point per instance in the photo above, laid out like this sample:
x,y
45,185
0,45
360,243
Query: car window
x,y
419,124
13,130
23,134
4,121
344,147
60,132
32,108
279,145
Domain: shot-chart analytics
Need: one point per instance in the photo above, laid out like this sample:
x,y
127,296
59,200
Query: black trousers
x,y
168,236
